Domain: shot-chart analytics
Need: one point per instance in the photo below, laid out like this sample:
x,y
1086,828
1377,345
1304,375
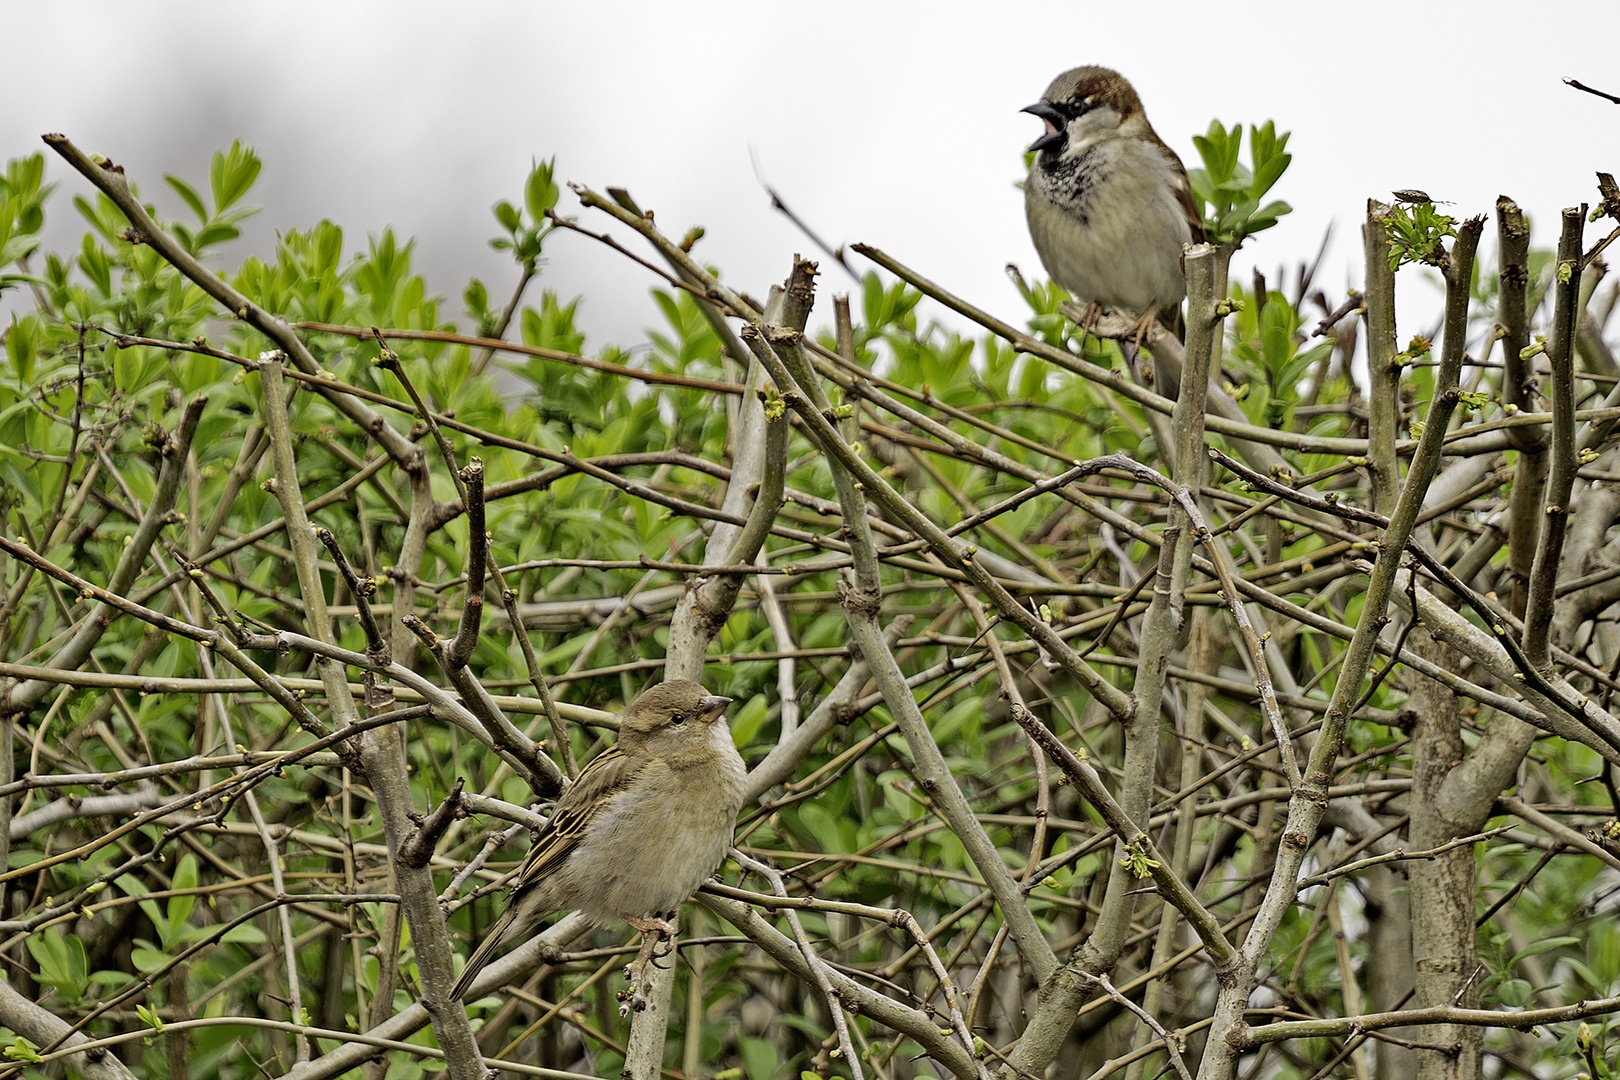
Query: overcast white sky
x,y
896,124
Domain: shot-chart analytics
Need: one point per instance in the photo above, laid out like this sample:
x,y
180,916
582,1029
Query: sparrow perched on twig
x,y
1108,203
643,826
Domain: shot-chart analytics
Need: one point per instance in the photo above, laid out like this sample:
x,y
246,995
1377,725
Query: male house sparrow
x,y
641,828
1108,203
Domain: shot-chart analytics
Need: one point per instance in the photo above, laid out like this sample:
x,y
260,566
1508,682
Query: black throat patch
x,y
1072,182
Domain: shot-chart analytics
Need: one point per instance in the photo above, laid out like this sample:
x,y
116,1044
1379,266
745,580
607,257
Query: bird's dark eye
x,y
678,718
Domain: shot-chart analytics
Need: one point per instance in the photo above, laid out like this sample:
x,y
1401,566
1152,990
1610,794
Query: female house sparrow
x,y
644,825
1108,203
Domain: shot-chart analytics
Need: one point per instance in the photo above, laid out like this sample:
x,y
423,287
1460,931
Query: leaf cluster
x,y
1227,192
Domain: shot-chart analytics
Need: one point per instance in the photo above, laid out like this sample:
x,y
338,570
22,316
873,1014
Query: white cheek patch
x,y
1080,141
1090,128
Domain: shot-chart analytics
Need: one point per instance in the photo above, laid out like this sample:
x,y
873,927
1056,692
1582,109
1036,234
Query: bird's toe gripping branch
x,y
654,932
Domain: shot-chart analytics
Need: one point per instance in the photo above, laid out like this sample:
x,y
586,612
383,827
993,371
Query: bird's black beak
x,y
713,706
1055,133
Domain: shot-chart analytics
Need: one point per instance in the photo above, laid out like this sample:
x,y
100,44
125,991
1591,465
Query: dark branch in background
x,y
417,852
379,692
1610,193
521,349
1592,90
670,279
472,609
359,588
388,360
835,254
1561,447
1353,303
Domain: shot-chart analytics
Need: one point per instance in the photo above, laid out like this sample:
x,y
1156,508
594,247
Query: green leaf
x,y
147,959
823,827
541,192
746,724
1219,150
231,174
22,347
61,960
1268,173
215,233
97,266
1276,334
21,1049
962,718
185,877
245,934
1203,188
134,887
149,1017
806,1025
1536,948
1269,214
189,195
760,1057
1604,955
871,298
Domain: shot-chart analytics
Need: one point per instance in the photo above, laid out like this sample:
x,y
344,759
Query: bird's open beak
x,y
712,707
1054,126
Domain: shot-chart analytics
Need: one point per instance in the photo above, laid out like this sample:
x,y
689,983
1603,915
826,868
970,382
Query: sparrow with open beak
x,y
1108,203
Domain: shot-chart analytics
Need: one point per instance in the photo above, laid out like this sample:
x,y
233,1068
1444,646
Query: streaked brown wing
x,y
1184,196
606,774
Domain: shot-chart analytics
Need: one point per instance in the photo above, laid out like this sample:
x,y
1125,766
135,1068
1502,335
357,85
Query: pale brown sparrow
x,y
643,826
1108,203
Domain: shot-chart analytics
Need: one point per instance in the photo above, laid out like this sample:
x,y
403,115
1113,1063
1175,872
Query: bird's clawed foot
x,y
1088,323
1141,327
654,932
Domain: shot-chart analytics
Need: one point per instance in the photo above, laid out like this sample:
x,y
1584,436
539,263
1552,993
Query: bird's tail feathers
x,y
483,954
